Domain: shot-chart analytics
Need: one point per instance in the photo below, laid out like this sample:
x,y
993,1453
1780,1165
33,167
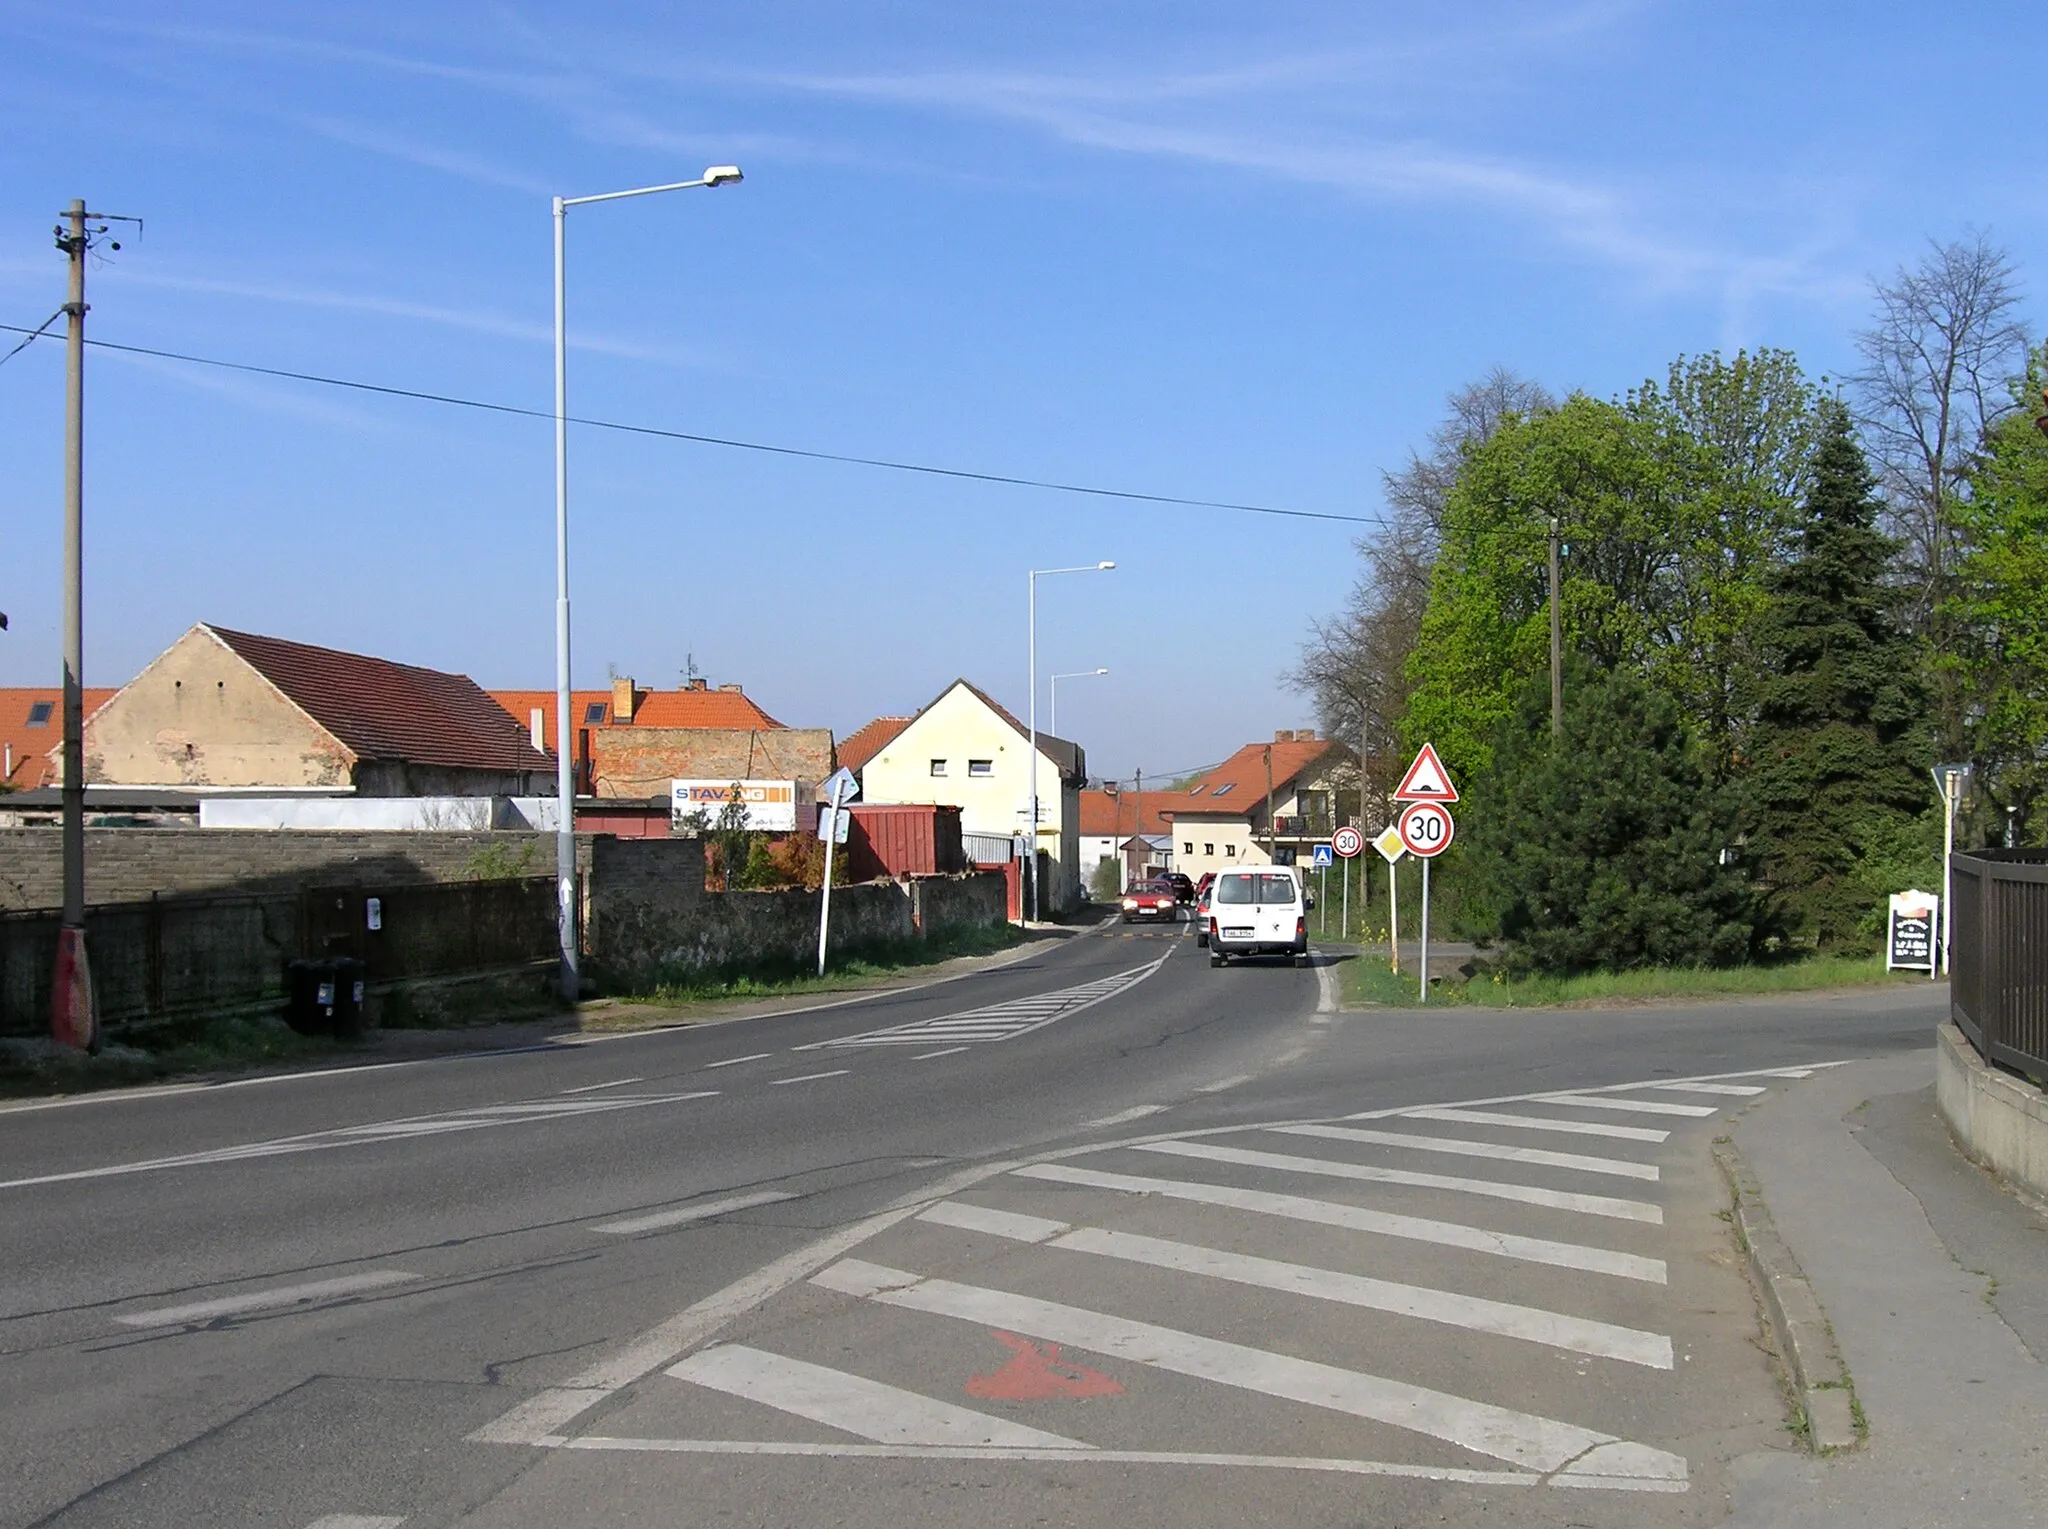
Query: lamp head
x,y
723,175
1105,564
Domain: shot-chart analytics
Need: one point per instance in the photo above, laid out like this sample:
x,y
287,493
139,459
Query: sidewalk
x,y
1935,1281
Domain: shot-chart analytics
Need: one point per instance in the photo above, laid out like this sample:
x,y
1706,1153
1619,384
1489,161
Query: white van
x,y
1258,912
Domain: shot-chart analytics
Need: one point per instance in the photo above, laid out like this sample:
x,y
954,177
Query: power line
x,y
33,335
927,469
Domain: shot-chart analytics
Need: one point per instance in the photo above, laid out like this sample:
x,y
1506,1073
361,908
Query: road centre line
x,y
1457,1146
268,1300
1521,1438
929,1055
1529,1123
688,1213
809,1077
734,1061
1450,1234
591,1088
1502,1319
1735,1090
1635,1106
865,1408
356,1521
1223,1085
1124,1117
1527,1194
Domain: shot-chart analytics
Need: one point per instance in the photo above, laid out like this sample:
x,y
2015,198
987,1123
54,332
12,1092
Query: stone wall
x,y
2000,1120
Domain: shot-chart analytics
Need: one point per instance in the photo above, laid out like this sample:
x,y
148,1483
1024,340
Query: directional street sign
x,y
1347,841
1426,780
1389,844
1323,855
1426,829
840,788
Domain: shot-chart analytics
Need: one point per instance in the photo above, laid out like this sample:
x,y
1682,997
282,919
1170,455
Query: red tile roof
x,y
378,709
520,705
1116,814
701,708
1239,784
866,742
27,748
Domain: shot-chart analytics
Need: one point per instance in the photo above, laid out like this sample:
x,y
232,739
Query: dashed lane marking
x,y
356,1521
734,1061
684,1215
1520,1438
810,1077
279,1299
1503,1319
1124,1117
1458,1147
1526,1123
930,1055
864,1408
1222,1085
1527,1194
1450,1234
591,1088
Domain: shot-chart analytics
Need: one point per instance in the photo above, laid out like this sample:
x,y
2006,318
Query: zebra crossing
x,y
1299,1296
997,1021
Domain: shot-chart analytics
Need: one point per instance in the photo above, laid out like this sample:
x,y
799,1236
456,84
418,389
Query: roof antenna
x,y
690,669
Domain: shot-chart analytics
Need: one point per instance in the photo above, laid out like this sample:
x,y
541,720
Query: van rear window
x,y
1234,889
1276,889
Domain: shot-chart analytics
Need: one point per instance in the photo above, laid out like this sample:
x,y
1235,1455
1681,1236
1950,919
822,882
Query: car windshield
x,y
1233,889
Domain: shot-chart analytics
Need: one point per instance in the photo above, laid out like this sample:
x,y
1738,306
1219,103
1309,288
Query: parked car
x,y
1202,903
1262,912
1154,901
1183,889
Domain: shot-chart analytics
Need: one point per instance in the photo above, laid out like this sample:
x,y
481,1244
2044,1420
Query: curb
x,y
1805,1342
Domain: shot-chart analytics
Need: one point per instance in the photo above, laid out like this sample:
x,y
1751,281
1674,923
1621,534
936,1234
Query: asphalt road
x,y
610,1281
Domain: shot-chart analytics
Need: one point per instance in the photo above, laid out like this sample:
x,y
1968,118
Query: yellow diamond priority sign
x,y
1389,844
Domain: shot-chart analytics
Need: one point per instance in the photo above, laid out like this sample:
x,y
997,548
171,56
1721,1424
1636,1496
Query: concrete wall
x,y
2000,1120
128,864
650,919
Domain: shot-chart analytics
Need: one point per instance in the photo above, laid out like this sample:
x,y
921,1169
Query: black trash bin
x,y
348,997
310,1006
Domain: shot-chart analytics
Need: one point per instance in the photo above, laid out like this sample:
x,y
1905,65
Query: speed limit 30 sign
x,y
1347,841
1426,828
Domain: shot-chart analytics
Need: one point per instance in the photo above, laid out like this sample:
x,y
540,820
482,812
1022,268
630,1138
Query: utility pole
x,y
1138,820
1556,643
73,1021
1270,855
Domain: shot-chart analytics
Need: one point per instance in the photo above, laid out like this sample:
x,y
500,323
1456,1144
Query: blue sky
x,y
1226,252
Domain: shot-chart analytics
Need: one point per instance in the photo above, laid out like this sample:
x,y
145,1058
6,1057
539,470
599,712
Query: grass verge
x,y
167,1051
1367,981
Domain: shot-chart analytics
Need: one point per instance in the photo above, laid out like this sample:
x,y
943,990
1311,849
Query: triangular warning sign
x,y
1426,780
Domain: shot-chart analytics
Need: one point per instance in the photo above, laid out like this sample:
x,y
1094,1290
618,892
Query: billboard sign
x,y
771,804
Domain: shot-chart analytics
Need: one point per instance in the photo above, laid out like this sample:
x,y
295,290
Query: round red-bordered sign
x,y
1346,842
1426,828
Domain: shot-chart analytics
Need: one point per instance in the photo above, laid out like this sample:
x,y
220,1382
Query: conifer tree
x,y
1839,795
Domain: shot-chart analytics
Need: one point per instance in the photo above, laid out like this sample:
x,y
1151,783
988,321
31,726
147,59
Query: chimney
x,y
732,689
697,684
537,721
1283,735
622,698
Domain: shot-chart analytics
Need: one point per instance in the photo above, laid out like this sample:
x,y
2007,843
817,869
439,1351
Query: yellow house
x,y
965,751
1221,819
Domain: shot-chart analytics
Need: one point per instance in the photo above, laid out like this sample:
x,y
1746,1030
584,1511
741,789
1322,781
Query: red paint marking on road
x,y
1036,1373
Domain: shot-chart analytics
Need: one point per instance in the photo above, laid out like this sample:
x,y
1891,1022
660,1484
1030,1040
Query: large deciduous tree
x,y
1837,785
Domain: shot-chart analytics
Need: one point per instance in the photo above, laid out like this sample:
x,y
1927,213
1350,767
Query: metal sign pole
x,y
1344,929
1425,930
1323,897
1394,917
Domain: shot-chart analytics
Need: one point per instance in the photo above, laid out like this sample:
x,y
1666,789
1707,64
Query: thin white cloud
x,y
425,155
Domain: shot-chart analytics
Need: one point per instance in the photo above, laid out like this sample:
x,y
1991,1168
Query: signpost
x,y
1345,843
1909,932
1426,827
839,790
1392,849
1324,858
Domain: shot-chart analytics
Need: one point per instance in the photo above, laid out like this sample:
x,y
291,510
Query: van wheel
x,y
1215,957
1301,958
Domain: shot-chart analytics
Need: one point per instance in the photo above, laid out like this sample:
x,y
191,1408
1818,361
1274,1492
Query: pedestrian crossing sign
x,y
1324,855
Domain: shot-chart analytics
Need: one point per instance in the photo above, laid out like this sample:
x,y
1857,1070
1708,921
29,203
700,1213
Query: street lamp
x,y
565,779
1053,723
1949,780
1031,762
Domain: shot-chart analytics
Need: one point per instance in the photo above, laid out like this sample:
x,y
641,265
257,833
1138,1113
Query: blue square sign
x,y
1323,855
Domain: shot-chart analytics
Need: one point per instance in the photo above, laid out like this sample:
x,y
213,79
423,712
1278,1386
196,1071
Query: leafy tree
x,y
1837,762
1999,611
1605,851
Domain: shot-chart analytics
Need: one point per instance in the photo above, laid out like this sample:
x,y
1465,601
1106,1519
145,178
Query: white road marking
x,y
1554,1199
1096,1456
1736,1090
1223,1084
1326,987
268,1300
1524,1439
734,1061
1458,1147
1527,1123
1637,1106
809,1077
948,1051
688,1213
1124,1117
591,1088
362,1135
1581,1335
1000,1021
865,1408
356,1521
1450,1234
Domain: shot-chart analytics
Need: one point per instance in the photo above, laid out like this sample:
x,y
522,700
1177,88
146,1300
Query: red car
x,y
1153,900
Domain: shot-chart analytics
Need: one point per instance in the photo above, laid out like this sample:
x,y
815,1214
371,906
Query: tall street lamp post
x,y
565,775
1031,761
1053,723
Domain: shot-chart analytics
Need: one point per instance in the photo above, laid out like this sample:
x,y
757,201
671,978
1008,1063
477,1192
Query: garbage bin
x,y
348,997
309,1008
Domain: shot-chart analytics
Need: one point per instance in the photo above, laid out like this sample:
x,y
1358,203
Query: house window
x,y
938,767
593,713
39,714
1230,852
981,769
1187,846
1209,850
1225,789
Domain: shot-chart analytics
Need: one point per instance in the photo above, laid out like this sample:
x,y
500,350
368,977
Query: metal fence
x,y
1998,955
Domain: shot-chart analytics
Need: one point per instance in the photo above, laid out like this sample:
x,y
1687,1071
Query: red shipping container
x,y
884,839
